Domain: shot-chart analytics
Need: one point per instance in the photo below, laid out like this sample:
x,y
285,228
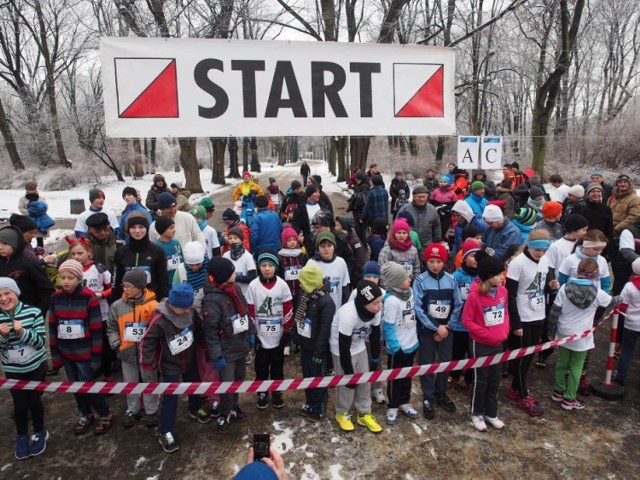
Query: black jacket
x,y
152,197
305,170
301,220
396,186
319,316
600,217
147,256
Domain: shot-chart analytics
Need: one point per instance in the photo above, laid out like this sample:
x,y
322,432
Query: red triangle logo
x,y
159,99
428,101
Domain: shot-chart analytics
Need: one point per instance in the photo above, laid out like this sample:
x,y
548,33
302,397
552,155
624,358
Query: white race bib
x,y
408,266
439,309
465,290
408,319
536,300
291,273
21,353
70,329
494,315
275,198
240,324
180,342
134,331
304,329
271,328
173,262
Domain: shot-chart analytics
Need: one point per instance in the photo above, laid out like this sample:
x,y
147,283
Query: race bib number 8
x,y
70,329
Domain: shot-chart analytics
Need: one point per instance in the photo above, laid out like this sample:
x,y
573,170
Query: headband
x,y
589,276
540,244
593,244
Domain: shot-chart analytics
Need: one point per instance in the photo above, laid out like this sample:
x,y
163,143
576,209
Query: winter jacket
x,y
625,208
409,259
442,196
35,286
128,210
464,280
490,191
104,251
524,230
376,205
433,183
426,223
135,313
359,252
476,203
218,316
502,238
554,228
152,197
27,349
182,200
290,204
437,300
76,313
376,242
243,189
486,316
464,209
146,256
38,213
291,262
600,217
187,230
265,231
396,186
461,183
305,170
314,333
169,332
302,223
506,196
357,200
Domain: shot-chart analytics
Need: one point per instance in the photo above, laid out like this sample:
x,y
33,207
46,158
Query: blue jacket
x,y
265,231
438,292
376,205
457,235
38,213
500,240
525,230
464,280
376,242
135,207
476,203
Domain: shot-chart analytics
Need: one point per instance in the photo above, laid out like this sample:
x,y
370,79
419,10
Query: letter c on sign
x,y
491,153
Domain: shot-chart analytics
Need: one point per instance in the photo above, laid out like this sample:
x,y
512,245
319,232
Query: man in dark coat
x,y
159,186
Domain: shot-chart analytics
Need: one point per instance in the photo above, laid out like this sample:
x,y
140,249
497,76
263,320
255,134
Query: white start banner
x,y
187,87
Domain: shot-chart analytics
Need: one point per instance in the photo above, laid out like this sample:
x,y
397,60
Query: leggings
x,y
27,402
531,335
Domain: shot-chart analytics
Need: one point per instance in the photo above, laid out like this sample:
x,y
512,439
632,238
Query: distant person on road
x,y
305,171
96,198
159,186
377,203
244,188
398,183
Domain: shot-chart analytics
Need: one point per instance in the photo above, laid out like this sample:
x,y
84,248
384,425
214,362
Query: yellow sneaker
x,y
369,421
344,420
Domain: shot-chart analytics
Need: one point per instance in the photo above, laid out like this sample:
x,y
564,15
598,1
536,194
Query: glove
x,y
220,364
373,364
252,339
317,361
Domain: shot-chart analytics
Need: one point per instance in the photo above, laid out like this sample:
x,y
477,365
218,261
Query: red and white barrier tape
x,y
208,388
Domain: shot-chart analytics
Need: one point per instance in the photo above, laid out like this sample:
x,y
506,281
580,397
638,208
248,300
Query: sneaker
x,y
530,406
200,415
287,351
392,416
572,404
512,394
215,413
305,410
495,422
130,419
378,396
584,389
263,401
168,442
478,423
428,411
369,421
38,443
314,416
150,420
344,420
276,399
408,410
445,402
557,396
238,415
22,447
223,424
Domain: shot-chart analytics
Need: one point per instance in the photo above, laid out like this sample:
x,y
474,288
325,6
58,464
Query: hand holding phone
x,y
261,446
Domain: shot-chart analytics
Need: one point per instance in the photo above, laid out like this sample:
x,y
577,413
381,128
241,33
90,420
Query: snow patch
x,y
155,477
4,467
334,472
309,473
408,476
335,439
548,446
433,453
161,465
417,428
57,234
282,441
139,462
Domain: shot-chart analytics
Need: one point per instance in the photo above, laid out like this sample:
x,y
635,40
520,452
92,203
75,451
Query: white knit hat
x,y
576,191
635,266
193,253
492,213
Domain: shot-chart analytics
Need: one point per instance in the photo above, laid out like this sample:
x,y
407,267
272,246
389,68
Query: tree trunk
x,y
294,154
343,144
413,145
246,146
255,162
189,162
138,166
9,142
333,153
232,145
217,168
440,149
152,156
359,152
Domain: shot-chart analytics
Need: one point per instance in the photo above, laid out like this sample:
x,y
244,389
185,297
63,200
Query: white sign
x,y
187,87
468,152
491,153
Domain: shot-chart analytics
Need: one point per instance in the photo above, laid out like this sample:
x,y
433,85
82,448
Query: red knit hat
x,y
551,210
398,225
470,246
287,233
435,250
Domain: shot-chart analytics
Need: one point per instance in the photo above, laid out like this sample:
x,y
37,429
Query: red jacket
x,y
486,317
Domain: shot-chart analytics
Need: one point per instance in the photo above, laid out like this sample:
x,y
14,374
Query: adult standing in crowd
x,y
306,211
187,229
574,203
432,182
599,215
266,228
324,198
356,204
490,192
561,189
96,198
624,204
398,183
500,234
305,171
476,199
159,186
425,217
103,240
377,202
596,177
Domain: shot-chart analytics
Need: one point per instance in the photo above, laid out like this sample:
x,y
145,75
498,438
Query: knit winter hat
x,y
489,267
193,253
237,231
470,246
394,274
635,266
477,185
535,192
492,213
287,233
445,179
268,256
596,172
11,236
181,295
220,269
551,210
246,174
295,184
317,179
371,269
435,250
129,191
97,220
163,223
136,277
199,212
380,226
137,219
311,277
407,216
325,236
377,180
593,186
345,221
22,223
272,180
311,189
420,189
470,231
367,292
74,267
575,222
323,218
526,216
157,177
8,283
535,180
576,191
400,225
623,177
166,200
95,193
207,203
230,214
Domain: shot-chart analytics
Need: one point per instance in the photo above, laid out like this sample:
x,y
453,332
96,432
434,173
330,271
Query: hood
x,y
463,208
178,321
618,194
582,296
347,222
480,172
21,243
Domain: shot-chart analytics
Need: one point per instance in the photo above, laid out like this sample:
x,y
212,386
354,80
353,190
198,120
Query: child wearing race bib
x,y
528,283
229,334
486,316
193,271
128,321
245,265
75,330
291,260
438,304
464,276
169,346
572,313
334,268
312,325
399,248
399,329
630,307
270,303
22,343
352,324
140,253
166,228
211,241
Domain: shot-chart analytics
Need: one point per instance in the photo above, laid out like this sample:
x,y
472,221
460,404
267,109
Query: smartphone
x,y
261,445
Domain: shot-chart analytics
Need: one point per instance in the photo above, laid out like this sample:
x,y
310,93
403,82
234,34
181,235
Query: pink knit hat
x,y
74,267
287,233
400,224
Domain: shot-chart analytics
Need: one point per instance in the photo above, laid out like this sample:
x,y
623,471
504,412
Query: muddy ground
x,y
597,442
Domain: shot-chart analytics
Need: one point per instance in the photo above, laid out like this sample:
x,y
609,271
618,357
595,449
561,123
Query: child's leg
x,y
531,334
277,363
73,374
576,362
261,363
564,356
344,395
404,385
206,371
628,346
444,348
131,373
168,407
493,383
480,383
239,374
227,400
20,405
363,390
427,355
459,350
36,408
97,401
315,398
195,401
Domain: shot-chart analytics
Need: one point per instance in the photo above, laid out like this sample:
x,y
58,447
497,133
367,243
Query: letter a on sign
x,y
468,152
491,153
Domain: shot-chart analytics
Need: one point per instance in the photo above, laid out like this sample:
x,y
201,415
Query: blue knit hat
x,y
268,256
181,295
371,269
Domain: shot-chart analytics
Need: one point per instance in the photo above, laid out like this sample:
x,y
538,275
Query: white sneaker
x,y
408,410
495,422
287,351
478,423
392,416
378,396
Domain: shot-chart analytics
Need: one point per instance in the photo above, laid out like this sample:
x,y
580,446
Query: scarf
x,y
536,204
236,250
32,197
202,224
403,295
469,270
290,252
398,245
139,246
364,314
232,292
301,311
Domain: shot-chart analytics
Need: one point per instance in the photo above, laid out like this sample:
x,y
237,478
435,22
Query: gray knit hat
x,y
393,274
9,284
